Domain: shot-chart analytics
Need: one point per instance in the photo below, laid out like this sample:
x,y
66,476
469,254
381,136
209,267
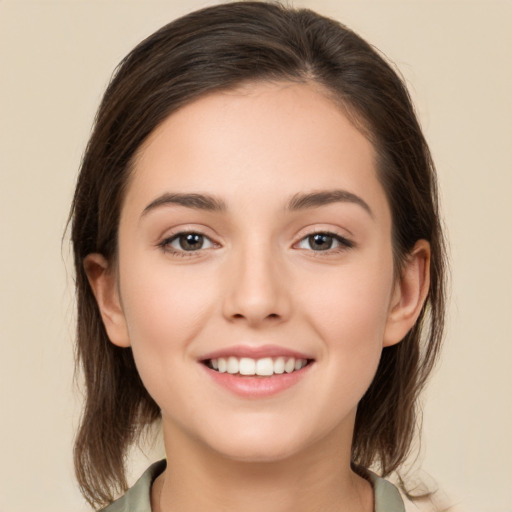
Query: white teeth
x,y
263,367
289,365
232,366
247,366
279,365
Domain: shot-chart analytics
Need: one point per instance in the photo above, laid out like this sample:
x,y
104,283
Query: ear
x,y
104,286
409,294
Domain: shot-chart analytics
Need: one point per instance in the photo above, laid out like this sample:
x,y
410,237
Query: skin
x,y
256,281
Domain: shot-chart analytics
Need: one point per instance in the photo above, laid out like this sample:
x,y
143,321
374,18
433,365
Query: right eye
x,y
186,242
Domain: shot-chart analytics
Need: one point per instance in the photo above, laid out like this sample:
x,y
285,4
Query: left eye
x,y
323,242
189,242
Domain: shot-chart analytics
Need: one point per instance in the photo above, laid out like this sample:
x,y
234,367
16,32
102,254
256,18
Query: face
x,y
255,271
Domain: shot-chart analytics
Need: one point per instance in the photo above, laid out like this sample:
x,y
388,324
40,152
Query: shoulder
x,y
426,495
387,497
138,497
437,502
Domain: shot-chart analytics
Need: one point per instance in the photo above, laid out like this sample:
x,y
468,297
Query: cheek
x,y
164,309
350,315
352,307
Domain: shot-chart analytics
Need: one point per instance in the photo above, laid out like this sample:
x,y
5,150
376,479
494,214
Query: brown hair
x,y
218,48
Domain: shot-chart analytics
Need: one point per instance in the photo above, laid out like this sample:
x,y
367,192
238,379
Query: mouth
x,y
257,372
262,367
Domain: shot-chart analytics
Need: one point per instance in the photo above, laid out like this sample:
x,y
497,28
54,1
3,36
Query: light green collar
x,y
138,498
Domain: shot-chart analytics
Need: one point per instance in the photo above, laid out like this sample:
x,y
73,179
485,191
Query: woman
x,y
259,263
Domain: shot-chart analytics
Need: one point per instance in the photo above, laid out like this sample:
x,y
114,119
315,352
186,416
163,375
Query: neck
x,y
319,478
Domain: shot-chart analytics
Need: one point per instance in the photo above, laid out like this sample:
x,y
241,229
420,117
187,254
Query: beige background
x,y
55,60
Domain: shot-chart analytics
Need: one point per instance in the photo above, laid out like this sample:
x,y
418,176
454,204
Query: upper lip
x,y
255,352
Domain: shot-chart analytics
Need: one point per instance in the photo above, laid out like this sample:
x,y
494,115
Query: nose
x,y
257,290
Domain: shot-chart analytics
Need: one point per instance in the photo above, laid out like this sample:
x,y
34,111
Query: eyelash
x,y
344,243
165,245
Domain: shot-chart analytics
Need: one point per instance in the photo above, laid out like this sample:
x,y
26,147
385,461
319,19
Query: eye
x,y
186,242
324,242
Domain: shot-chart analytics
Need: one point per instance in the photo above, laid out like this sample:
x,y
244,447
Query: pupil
x,y
191,241
320,241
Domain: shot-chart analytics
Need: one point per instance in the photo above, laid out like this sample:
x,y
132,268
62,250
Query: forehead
x,y
261,138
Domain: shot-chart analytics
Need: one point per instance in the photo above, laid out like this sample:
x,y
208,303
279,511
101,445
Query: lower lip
x,y
258,387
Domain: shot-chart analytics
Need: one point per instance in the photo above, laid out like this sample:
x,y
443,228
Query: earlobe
x,y
409,295
104,286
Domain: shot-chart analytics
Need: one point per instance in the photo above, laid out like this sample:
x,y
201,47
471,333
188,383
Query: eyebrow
x,y
196,201
325,197
297,202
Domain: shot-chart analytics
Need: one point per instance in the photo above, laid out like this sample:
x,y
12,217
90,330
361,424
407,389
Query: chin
x,y
264,452
260,443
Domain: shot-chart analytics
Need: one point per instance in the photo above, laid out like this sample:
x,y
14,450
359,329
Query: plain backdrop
x,y
55,60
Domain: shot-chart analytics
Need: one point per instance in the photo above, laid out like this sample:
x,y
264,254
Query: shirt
x,y
137,499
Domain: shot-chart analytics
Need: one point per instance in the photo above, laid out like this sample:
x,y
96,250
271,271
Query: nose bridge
x,y
257,291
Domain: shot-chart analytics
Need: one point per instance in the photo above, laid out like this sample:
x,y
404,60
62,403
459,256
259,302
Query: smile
x,y
264,367
255,372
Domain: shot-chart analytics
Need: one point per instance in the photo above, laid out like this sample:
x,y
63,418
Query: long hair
x,y
220,48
